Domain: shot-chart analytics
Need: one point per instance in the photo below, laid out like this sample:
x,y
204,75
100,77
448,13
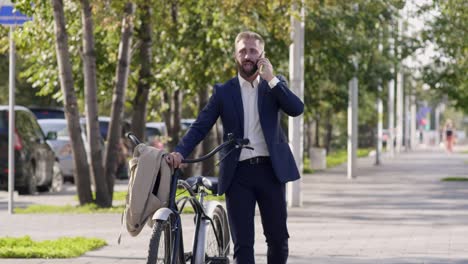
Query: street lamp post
x,y
352,122
353,116
296,124
12,18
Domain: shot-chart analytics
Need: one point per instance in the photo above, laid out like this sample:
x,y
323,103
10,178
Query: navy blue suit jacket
x,y
226,102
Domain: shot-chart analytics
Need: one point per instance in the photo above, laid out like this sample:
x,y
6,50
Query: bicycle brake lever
x,y
247,147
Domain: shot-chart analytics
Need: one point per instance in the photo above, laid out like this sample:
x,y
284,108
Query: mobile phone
x,y
262,55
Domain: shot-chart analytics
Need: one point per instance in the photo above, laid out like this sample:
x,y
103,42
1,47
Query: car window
x,y
24,126
48,113
3,123
35,127
59,128
152,131
103,128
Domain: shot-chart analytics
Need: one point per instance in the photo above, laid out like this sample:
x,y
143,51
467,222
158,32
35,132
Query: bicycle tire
x,y
159,251
162,238
218,237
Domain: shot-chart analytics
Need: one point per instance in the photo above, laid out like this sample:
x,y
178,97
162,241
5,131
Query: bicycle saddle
x,y
211,183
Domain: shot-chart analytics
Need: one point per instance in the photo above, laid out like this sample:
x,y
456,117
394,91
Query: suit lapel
x,y
237,97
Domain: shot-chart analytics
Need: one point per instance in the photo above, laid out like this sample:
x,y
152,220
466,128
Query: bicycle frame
x,y
203,218
204,212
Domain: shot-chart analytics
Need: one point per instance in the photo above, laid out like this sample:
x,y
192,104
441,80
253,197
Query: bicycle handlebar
x,y
133,138
239,143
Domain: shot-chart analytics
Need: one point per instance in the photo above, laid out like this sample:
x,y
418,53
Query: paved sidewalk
x,y
397,213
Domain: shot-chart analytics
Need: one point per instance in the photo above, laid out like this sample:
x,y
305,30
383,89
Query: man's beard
x,y
245,73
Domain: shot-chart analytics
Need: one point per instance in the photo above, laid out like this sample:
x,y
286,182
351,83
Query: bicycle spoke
x,y
212,244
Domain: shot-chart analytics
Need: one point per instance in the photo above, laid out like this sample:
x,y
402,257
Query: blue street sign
x,y
10,17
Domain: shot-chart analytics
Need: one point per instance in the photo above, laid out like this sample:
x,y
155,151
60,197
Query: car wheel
x,y
57,179
31,183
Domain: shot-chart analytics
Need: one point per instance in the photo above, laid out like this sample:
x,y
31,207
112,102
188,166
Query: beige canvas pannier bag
x,y
148,186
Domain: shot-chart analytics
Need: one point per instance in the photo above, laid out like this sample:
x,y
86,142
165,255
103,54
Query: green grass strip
x,y
339,157
455,179
306,168
116,196
119,196
93,208
68,209
66,247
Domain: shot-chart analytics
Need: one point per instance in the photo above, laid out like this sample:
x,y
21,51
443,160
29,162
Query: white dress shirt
x,y
252,128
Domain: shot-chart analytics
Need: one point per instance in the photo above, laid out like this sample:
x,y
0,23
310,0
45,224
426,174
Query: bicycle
x,y
211,242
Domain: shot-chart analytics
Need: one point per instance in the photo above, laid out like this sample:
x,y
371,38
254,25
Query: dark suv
x,y
36,166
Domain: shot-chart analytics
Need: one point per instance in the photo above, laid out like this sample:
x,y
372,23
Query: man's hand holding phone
x,y
265,69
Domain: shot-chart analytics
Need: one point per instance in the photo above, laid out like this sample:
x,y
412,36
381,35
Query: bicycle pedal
x,y
217,260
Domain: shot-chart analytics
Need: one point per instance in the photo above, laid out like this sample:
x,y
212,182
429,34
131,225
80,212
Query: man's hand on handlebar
x,y
174,159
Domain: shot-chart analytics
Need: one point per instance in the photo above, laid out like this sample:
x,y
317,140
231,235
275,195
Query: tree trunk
x,y
172,117
306,138
81,173
310,134
118,99
317,132
210,140
193,168
329,129
92,124
140,101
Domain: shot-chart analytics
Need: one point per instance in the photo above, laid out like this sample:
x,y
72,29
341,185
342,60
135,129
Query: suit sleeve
x,y
287,100
202,125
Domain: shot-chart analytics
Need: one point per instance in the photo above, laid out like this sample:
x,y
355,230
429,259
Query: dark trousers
x,y
257,184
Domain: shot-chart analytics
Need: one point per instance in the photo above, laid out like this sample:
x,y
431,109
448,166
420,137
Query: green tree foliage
x,y
193,44
449,32
34,45
338,32
198,49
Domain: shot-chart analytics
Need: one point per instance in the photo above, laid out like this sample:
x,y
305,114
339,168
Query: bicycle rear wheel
x,y
218,238
161,243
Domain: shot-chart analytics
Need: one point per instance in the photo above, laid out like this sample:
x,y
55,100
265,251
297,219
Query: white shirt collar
x,y
244,83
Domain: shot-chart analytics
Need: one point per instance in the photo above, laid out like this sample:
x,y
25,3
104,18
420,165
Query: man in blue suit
x,y
250,106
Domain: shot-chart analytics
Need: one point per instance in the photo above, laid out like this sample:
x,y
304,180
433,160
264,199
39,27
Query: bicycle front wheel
x,y
218,237
161,242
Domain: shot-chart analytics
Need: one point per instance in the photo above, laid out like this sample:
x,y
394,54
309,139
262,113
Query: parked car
x,y
104,122
48,112
186,123
36,166
61,145
156,134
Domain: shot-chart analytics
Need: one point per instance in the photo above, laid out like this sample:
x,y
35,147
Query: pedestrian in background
x,y
449,133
